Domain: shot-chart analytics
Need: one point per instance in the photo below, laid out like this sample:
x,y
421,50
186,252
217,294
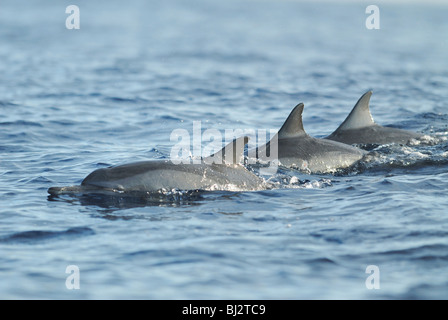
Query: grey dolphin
x,y
296,149
221,171
359,128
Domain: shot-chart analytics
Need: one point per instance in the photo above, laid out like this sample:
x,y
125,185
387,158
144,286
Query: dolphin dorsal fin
x,y
360,116
231,154
293,125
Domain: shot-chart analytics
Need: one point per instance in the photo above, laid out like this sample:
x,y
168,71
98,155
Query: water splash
x,y
414,155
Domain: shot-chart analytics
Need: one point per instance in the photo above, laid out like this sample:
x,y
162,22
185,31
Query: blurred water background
x,y
72,101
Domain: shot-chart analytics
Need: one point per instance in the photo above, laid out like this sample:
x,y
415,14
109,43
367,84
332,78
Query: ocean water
x,y
113,91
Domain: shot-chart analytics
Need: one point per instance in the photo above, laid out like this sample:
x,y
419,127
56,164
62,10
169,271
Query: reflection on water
x,y
121,201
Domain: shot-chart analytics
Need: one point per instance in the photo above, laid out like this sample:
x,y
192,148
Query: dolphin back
x,y
359,128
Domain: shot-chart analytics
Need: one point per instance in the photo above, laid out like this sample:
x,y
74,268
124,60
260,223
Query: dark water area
x,y
112,92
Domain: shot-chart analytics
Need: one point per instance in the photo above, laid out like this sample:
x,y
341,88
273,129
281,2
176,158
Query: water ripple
x,y
35,236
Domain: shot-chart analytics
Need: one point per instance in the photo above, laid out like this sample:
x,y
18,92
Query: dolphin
x,y
220,171
296,149
359,128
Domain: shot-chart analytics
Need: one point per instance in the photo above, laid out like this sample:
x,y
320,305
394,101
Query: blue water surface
x,y
112,92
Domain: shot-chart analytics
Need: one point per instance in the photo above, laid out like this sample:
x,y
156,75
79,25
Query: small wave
x,y
426,252
125,100
169,118
159,152
7,104
42,235
36,180
21,123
